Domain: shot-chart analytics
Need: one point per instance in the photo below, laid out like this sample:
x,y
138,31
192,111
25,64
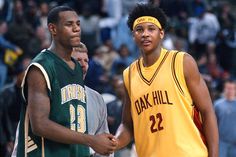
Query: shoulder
x,y
93,95
177,53
219,102
176,57
37,73
44,62
190,67
41,54
43,57
131,67
91,91
187,56
188,60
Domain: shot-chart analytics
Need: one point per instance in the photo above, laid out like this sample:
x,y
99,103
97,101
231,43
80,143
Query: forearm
x,y
211,133
124,136
59,133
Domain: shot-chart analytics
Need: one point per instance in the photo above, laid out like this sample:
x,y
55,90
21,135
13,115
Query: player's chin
x,y
147,49
75,42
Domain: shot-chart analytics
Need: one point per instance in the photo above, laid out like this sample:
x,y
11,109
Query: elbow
x,y
38,128
36,131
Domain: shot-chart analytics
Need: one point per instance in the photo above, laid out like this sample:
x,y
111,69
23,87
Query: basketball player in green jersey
x,y
96,107
53,121
167,107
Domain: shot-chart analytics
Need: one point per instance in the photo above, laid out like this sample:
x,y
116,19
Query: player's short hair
x,y
82,46
53,15
230,80
147,9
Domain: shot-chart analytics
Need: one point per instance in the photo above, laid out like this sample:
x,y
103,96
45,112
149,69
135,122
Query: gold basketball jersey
x,y
166,123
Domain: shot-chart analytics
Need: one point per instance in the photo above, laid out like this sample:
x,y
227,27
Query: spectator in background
x,y
211,71
4,46
95,5
37,42
6,138
11,101
20,32
31,14
18,9
197,7
6,9
89,25
214,68
225,109
13,90
97,78
109,56
123,61
202,29
43,12
122,35
114,108
226,40
112,10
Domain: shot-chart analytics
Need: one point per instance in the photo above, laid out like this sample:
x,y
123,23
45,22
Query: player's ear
x,y
162,33
52,28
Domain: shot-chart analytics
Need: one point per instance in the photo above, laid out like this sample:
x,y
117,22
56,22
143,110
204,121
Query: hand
x,y
104,144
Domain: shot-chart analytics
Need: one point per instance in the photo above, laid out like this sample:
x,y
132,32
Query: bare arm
x,y
124,133
201,98
39,109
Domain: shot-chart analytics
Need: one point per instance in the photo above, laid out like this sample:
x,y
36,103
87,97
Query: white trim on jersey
x,y
44,74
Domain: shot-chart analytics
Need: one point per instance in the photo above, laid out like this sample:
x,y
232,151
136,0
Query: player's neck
x,y
62,52
150,58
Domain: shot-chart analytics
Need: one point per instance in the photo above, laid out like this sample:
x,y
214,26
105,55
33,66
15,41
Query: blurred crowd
x,y
205,29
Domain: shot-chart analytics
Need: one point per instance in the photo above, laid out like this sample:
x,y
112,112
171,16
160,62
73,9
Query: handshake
x,y
104,144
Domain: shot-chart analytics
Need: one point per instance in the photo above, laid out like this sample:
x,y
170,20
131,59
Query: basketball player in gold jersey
x,y
167,108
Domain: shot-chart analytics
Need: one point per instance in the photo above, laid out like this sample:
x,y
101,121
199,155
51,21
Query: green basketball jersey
x,y
68,108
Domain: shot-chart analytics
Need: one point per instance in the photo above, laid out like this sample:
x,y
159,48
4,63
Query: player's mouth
x,y
146,42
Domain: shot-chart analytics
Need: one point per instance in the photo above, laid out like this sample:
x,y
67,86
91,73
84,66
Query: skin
x,y
65,35
150,46
81,55
148,37
198,90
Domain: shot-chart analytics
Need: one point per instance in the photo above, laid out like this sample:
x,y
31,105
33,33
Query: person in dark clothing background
x,y
10,104
6,142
